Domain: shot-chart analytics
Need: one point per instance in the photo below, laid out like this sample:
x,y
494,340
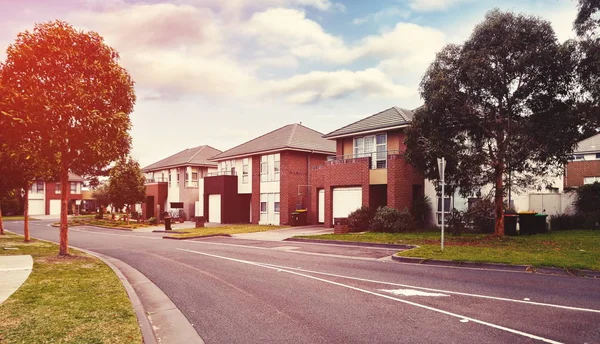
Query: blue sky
x,y
221,72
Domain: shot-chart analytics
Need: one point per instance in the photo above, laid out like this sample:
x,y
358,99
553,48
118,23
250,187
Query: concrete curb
x,y
198,237
163,231
504,267
159,318
353,243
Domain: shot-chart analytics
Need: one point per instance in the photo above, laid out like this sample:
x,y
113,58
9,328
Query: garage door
x,y
54,207
321,206
214,208
37,207
346,200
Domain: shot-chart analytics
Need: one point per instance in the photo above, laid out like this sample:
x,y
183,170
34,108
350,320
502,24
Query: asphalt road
x,y
241,291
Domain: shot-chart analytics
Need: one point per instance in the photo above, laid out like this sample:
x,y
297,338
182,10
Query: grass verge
x,y
565,249
90,221
228,229
16,218
76,299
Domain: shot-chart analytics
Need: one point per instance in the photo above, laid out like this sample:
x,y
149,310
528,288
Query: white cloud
x,y
383,14
319,86
433,5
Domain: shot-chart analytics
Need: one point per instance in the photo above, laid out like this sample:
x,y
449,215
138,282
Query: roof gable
x,y
392,117
291,136
197,156
589,145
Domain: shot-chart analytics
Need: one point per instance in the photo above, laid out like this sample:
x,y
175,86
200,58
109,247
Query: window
x,y
277,166
264,168
177,177
187,177
447,205
591,180
73,187
263,203
276,203
375,147
169,178
194,176
57,188
597,155
245,169
39,187
578,157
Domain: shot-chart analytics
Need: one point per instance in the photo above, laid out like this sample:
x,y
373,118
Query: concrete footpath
x,y
282,234
14,271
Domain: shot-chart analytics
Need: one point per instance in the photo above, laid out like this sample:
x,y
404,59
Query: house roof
x,y
392,117
292,137
589,145
197,156
75,178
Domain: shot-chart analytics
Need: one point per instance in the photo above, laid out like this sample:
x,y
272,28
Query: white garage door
x,y
214,208
345,201
54,207
37,207
321,206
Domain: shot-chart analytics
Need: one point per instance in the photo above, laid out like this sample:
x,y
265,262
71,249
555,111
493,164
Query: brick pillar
x,y
328,206
255,199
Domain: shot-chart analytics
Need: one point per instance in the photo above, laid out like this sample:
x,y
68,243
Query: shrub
x,y
360,218
588,198
481,216
99,216
390,220
153,221
565,222
421,210
456,222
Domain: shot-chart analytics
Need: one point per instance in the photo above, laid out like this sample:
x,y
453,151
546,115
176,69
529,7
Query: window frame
x,y
71,187
245,171
276,203
57,188
263,200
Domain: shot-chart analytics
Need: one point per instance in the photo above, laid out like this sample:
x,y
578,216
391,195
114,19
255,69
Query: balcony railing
x,y
157,180
376,159
221,173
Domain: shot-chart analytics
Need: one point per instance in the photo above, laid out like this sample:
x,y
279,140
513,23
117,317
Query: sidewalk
x,y
14,271
282,234
177,225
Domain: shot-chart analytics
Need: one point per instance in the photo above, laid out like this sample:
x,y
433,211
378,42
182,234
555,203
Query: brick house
x,y
265,179
44,197
172,184
584,168
368,169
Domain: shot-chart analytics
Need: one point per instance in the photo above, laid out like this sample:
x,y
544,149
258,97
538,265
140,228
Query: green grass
x,y
16,218
106,222
566,249
75,299
227,229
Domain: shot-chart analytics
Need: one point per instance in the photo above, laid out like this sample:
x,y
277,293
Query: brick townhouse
x,y
172,184
265,179
368,170
584,168
44,196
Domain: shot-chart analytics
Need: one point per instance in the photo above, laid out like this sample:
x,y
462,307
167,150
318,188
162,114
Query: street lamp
x,y
441,168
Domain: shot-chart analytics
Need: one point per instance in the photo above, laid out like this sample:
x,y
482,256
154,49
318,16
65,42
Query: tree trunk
x,y
64,195
499,200
26,213
1,223
128,211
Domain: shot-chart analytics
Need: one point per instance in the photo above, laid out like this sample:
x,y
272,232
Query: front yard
x,y
566,249
227,229
76,299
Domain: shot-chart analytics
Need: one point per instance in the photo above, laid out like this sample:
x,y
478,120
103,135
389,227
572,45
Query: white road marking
x,y
440,290
481,322
410,292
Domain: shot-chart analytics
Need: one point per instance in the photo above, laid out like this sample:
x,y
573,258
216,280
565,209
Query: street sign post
x,y
442,167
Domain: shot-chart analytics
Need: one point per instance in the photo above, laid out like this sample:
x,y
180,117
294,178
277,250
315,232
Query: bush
x,y
390,220
153,221
481,216
422,210
360,218
456,222
588,198
566,222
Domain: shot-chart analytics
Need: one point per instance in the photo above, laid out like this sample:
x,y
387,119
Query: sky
x,y
222,72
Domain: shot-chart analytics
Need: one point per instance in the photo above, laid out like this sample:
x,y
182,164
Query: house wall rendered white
x,y
244,183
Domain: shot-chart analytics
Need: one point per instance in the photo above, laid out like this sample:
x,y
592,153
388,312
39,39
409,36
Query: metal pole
x,y
443,201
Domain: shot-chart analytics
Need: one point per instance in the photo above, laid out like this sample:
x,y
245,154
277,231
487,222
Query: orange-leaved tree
x,y
87,96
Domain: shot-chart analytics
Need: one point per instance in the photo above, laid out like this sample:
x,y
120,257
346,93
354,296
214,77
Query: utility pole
x,y
442,167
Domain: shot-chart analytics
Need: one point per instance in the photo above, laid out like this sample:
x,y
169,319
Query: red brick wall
x,y
50,190
159,191
576,171
353,173
401,178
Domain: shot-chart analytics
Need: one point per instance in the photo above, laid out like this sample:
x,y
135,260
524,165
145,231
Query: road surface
x,y
243,291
